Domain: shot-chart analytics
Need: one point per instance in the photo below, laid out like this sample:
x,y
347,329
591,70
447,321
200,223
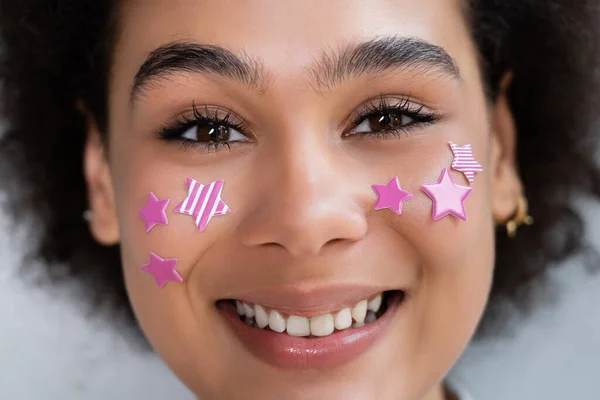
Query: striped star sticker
x,y
464,161
203,202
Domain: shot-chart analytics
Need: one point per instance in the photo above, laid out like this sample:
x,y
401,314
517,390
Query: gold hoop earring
x,y
520,217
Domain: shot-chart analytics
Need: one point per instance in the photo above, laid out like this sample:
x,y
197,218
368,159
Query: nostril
x,y
341,242
273,245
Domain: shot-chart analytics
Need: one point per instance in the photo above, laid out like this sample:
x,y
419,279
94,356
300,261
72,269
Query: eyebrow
x,y
178,57
378,55
381,55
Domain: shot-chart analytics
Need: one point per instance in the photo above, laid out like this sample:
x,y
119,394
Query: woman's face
x,y
319,101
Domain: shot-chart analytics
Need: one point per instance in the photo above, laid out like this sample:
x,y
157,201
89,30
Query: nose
x,y
305,204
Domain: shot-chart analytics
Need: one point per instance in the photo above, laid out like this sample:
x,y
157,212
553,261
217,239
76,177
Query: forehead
x,y
286,36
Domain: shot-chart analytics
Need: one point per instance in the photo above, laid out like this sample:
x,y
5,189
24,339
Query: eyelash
x,y
405,107
210,117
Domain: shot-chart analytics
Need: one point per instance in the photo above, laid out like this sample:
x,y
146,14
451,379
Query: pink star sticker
x,y
163,270
154,212
391,196
464,161
448,197
203,202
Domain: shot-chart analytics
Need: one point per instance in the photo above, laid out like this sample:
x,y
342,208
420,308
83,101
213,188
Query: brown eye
x,y
388,121
213,133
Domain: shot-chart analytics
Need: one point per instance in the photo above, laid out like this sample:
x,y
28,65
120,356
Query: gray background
x,y
50,350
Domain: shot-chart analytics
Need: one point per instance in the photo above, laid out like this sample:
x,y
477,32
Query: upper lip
x,y
310,299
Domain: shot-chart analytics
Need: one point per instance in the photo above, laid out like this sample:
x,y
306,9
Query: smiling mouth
x,y
313,339
362,313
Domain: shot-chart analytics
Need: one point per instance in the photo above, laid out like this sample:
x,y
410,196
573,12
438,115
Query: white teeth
x,y
240,308
261,316
248,310
375,304
343,319
321,325
370,317
362,313
276,321
359,312
297,326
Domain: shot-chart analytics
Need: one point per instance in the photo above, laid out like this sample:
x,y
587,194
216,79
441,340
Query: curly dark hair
x,y
55,52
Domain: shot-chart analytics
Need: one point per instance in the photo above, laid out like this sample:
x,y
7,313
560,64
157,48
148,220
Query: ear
x,y
103,222
506,185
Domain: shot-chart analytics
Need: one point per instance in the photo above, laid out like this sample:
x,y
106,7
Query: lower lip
x,y
284,351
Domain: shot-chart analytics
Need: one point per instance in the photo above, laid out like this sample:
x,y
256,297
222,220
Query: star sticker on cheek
x,y
154,212
391,196
203,202
163,270
448,197
464,161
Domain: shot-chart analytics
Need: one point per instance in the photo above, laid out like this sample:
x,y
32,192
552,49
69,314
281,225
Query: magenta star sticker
x,y
154,212
163,270
448,197
391,196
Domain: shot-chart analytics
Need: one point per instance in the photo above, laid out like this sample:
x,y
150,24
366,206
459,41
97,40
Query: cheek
x,y
454,258
168,315
457,268
457,271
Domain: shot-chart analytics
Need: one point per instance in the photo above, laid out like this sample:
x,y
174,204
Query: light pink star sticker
x,y
163,270
154,212
391,196
448,197
203,202
464,161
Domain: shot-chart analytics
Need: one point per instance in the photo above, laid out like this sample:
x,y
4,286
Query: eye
x,y
388,121
209,128
389,117
213,133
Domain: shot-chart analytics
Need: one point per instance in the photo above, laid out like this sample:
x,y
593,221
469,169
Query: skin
x,y
300,192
